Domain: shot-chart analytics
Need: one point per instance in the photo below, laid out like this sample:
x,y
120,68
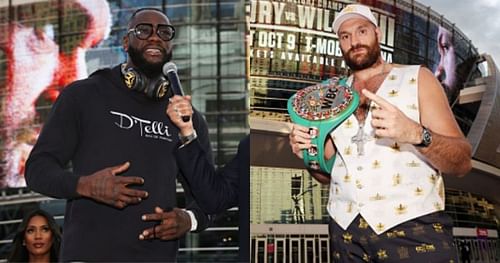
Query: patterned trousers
x,y
424,239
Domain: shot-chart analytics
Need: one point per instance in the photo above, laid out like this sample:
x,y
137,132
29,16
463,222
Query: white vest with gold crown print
x,y
390,183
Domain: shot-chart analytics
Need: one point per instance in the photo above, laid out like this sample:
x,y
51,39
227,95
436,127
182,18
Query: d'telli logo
x,y
144,128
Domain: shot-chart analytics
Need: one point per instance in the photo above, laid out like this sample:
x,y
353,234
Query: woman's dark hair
x,y
19,252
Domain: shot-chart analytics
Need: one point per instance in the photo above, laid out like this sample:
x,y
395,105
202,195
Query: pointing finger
x,y
377,99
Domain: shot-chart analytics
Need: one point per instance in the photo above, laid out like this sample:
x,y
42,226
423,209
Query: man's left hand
x,y
389,122
178,107
170,225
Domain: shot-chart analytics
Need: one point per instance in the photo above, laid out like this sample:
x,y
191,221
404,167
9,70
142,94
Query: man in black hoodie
x,y
111,128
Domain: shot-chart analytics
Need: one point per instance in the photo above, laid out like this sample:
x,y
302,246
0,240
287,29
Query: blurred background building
x,y
46,44
291,46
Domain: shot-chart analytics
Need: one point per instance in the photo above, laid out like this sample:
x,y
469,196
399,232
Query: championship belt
x,y
322,108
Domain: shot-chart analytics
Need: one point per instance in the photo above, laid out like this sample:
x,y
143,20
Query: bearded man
x,y
386,188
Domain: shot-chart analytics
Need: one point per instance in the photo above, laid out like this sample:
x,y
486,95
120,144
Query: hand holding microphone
x,y
179,110
170,72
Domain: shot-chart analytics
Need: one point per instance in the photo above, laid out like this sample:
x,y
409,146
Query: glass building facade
x,y
44,45
310,52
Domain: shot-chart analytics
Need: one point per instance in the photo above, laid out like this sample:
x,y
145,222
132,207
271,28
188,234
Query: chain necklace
x,y
361,137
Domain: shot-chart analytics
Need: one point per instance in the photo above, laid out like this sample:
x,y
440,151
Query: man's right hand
x,y
106,187
299,139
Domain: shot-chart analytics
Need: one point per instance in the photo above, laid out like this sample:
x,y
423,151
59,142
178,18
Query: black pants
x,y
425,239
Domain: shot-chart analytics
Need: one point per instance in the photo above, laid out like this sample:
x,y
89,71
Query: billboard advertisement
x,y
291,46
40,55
47,44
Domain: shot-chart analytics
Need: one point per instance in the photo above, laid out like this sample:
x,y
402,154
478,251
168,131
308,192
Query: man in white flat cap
x,y
386,187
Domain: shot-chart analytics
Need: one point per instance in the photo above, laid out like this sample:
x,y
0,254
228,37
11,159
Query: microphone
x,y
170,71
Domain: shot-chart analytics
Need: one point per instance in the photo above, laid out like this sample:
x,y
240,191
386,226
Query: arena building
x,y
292,46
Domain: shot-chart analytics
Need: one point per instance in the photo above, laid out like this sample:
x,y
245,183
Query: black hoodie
x,y
97,123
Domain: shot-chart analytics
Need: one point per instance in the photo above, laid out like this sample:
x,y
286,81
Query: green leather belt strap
x,y
322,108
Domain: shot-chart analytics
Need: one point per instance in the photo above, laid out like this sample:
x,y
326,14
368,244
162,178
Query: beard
x,y
365,61
149,69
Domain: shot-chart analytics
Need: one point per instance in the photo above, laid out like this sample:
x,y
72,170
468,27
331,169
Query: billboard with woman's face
x,y
40,55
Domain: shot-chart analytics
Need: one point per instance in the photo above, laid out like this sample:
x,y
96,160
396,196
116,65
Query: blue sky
x,y
479,20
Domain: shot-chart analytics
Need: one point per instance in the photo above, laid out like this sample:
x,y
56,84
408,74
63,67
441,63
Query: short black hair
x,y
134,14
